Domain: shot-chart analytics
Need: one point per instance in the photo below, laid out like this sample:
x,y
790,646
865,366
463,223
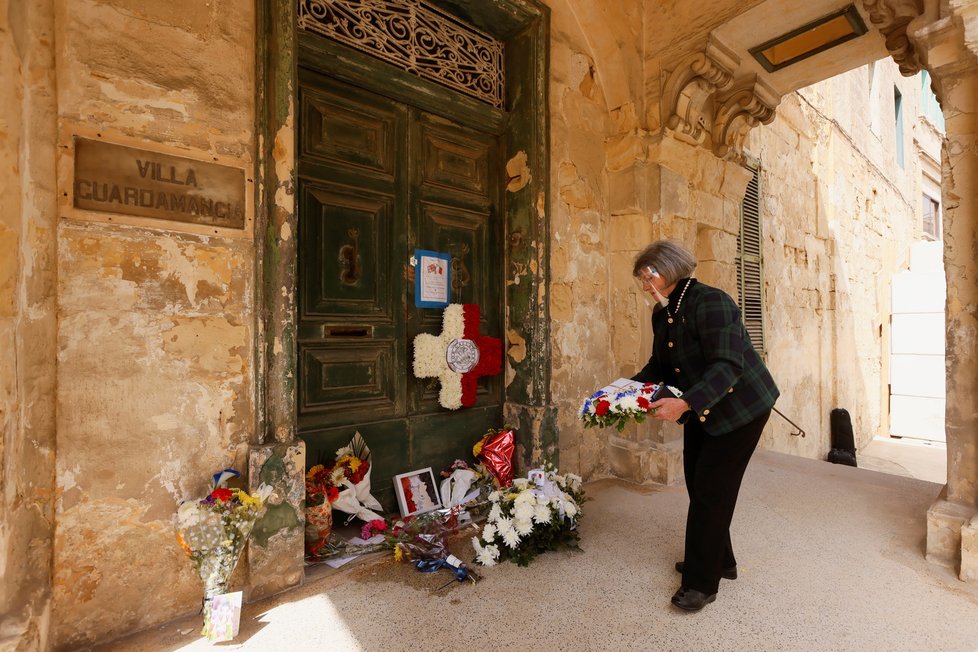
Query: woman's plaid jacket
x,y
707,353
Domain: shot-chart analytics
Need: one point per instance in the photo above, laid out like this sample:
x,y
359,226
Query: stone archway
x,y
713,96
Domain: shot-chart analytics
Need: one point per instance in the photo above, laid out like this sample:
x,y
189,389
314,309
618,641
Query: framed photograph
x,y
416,492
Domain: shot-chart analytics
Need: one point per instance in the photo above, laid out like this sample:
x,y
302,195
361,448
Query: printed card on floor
x,y
225,617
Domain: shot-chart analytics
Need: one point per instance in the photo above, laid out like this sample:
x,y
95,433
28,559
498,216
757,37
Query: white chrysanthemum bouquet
x,y
531,516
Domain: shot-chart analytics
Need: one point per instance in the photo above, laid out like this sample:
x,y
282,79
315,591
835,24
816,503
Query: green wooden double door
x,y
377,179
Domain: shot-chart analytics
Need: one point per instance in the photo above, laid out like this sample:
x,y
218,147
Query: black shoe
x,y
726,573
691,599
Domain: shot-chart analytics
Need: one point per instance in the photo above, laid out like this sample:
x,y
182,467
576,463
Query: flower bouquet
x,y
213,532
344,485
535,514
421,540
620,402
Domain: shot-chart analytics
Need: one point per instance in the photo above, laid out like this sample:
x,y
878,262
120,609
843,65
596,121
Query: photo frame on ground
x,y
416,492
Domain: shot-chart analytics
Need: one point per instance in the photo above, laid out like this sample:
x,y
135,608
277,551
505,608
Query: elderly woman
x,y
701,347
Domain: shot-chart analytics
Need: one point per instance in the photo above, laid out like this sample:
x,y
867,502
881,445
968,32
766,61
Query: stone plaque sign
x,y
117,179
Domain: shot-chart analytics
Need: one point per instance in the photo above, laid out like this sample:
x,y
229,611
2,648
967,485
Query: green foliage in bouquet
x,y
532,516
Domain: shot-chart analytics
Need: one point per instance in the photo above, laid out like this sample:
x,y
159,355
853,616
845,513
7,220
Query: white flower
x,y
523,511
525,497
488,555
627,403
495,496
495,514
570,508
511,538
575,481
542,514
521,483
504,525
523,526
450,396
489,533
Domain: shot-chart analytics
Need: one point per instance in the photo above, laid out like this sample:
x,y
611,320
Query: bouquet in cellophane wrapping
x,y
353,481
213,532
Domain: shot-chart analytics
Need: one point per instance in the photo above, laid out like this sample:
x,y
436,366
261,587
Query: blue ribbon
x,y
461,573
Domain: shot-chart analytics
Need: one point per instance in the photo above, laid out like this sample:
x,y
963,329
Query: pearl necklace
x,y
678,303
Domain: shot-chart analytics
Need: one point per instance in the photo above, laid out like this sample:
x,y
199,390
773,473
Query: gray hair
x,y
669,258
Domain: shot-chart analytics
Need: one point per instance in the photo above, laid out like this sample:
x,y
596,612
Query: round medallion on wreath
x,y
462,355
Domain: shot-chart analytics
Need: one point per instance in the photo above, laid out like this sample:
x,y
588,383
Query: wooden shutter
x,y
750,280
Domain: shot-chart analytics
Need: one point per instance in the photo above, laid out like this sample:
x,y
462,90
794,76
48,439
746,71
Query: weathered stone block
x,y
629,233
944,523
276,548
969,552
718,274
674,192
714,244
707,208
624,151
735,180
645,462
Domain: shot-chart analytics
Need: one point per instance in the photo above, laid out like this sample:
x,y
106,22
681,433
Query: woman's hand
x,y
669,409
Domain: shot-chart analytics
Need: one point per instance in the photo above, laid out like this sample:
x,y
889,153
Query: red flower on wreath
x,y
602,408
644,403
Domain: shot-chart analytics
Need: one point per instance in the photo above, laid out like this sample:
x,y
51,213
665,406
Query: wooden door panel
x,y
455,160
350,129
346,235
378,179
344,381
390,450
452,208
439,439
465,236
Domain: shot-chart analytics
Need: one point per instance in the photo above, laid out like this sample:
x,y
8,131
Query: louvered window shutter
x,y
750,281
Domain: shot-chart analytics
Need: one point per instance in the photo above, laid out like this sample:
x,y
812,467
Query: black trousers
x,y
714,468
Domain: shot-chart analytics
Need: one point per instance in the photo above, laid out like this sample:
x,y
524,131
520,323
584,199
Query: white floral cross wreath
x,y
457,357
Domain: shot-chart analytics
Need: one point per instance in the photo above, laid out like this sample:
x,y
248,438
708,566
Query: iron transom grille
x,y
414,36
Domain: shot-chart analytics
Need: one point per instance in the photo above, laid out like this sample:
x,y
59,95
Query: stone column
x,y
952,521
28,321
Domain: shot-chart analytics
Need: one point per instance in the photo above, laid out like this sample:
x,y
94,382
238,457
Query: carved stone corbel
x,y
737,112
891,18
688,96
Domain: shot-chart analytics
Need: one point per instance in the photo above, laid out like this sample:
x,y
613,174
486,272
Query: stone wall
x,y
595,84
156,331
839,215
28,220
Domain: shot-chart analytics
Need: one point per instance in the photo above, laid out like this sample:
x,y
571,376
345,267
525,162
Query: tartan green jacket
x,y
707,353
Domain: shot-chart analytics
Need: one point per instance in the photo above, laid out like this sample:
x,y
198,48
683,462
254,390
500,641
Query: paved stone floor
x,y
913,458
831,558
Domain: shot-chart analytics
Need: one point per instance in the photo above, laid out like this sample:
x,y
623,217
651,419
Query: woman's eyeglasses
x,y
647,274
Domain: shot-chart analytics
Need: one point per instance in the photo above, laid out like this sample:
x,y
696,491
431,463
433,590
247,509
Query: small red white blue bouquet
x,y
622,401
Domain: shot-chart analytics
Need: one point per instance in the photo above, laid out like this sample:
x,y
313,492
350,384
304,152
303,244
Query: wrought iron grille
x,y
416,37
